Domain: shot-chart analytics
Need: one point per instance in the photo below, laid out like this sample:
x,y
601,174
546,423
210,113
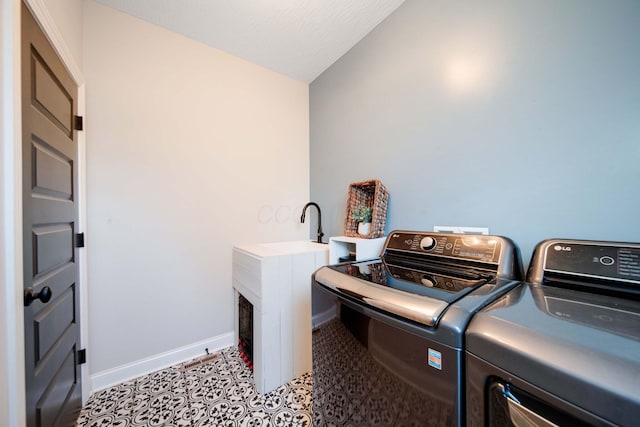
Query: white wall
x,y
189,150
523,116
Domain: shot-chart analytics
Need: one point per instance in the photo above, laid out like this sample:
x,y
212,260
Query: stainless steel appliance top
x,y
420,274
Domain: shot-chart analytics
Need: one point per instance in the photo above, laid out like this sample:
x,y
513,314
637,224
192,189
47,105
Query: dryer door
x,y
510,406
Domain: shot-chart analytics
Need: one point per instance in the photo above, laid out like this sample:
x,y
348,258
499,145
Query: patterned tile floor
x,y
218,393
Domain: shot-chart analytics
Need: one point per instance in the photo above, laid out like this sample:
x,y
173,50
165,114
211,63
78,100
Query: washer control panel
x,y
610,261
461,246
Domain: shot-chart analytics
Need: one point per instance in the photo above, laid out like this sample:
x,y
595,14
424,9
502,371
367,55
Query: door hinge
x,y
82,356
78,123
79,240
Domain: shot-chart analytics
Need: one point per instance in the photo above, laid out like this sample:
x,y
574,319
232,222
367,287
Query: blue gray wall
x,y
522,116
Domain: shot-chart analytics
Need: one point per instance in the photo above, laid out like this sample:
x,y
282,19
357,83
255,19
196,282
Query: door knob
x,y
30,295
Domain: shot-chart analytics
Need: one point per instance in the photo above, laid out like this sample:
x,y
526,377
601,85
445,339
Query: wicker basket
x,y
367,193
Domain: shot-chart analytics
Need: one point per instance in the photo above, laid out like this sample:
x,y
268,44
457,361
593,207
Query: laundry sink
x,y
296,246
276,279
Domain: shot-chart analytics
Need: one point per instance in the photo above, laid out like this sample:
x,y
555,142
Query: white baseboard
x,y
119,374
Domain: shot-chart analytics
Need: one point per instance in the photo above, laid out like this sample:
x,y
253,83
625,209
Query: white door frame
x,y
12,389
12,383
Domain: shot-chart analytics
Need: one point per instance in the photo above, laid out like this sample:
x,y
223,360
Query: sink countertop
x,y
281,248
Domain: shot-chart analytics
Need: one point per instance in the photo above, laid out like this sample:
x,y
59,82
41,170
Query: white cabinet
x,y
276,279
364,249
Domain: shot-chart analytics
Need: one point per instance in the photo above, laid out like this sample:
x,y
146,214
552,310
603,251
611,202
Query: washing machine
x,y
564,347
388,336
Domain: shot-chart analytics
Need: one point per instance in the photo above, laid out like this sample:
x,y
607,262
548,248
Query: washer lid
x,y
423,309
579,346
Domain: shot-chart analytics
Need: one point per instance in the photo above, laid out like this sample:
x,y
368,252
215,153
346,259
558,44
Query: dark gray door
x,y
49,153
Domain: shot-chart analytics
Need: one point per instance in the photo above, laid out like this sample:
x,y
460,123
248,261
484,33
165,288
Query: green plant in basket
x,y
362,214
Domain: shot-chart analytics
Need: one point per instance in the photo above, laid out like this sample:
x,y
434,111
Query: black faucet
x,y
304,210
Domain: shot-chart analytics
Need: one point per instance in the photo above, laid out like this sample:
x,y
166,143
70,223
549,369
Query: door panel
x,y
52,173
49,151
51,323
49,96
58,392
52,247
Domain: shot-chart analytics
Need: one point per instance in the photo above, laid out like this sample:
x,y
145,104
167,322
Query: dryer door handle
x,y
519,414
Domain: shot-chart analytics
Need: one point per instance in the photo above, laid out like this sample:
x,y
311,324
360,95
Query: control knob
x,y
428,243
428,281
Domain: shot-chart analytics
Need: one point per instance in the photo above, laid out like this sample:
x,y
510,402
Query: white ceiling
x,y
298,38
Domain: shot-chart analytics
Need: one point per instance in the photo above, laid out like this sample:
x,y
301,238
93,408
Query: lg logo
x,y
562,248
